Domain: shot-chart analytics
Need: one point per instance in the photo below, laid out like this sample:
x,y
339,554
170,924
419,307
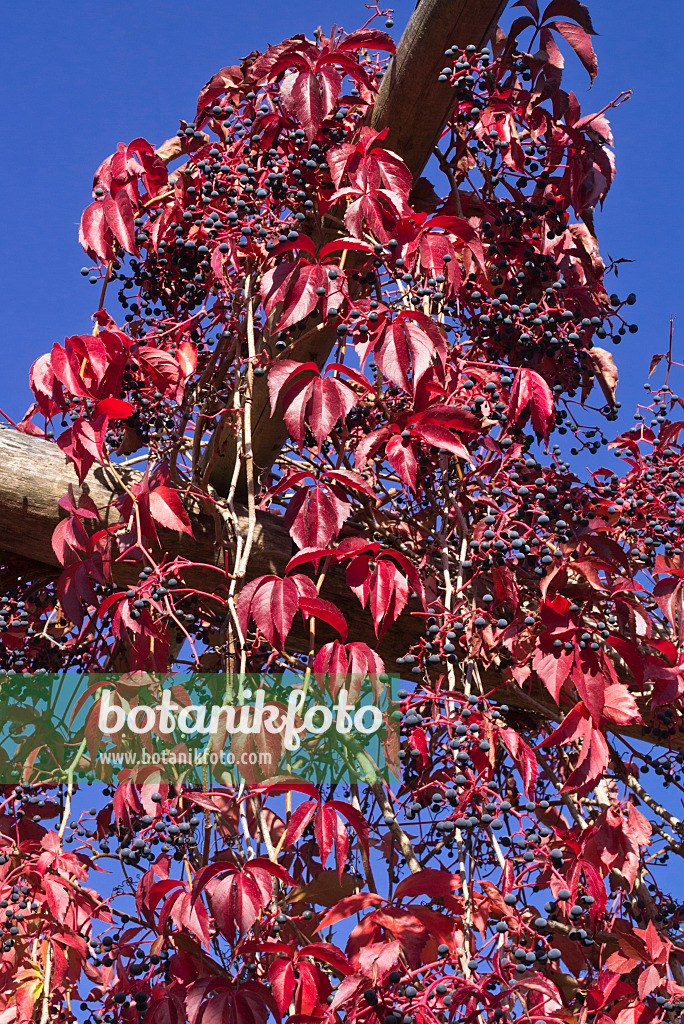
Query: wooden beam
x,y
415,107
411,103
34,475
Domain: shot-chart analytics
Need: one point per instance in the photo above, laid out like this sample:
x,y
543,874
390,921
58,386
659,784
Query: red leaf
x,y
313,989
668,594
553,669
264,871
343,243
620,706
465,231
42,377
283,983
25,426
310,555
301,298
187,358
235,903
329,954
245,599
120,216
68,539
353,816
167,509
377,959
62,361
314,516
272,602
393,172
330,86
570,729
349,905
341,846
301,96
569,9
274,285
524,758
531,389
90,436
433,248
339,666
388,595
325,830
505,586
592,763
589,682
403,346
326,611
330,399
418,742
402,459
428,882
452,417
580,40
649,979
283,374
192,916
299,819
116,408
392,355
605,372
57,897
367,37
94,234
440,437
162,367
351,480
317,403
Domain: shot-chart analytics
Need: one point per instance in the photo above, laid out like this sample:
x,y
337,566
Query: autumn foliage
x,y
438,351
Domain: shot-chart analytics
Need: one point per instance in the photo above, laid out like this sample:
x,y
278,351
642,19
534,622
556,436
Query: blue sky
x,y
80,77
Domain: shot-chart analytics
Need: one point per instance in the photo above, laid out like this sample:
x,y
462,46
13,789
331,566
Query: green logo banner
x,y
199,728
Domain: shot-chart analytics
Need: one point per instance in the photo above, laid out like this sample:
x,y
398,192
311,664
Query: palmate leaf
x,y
315,515
295,285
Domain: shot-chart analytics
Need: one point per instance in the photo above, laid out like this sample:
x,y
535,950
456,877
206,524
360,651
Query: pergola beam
x,y
412,104
34,475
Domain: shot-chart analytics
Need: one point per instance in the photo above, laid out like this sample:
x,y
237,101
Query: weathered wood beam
x,y
414,107
34,475
412,104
